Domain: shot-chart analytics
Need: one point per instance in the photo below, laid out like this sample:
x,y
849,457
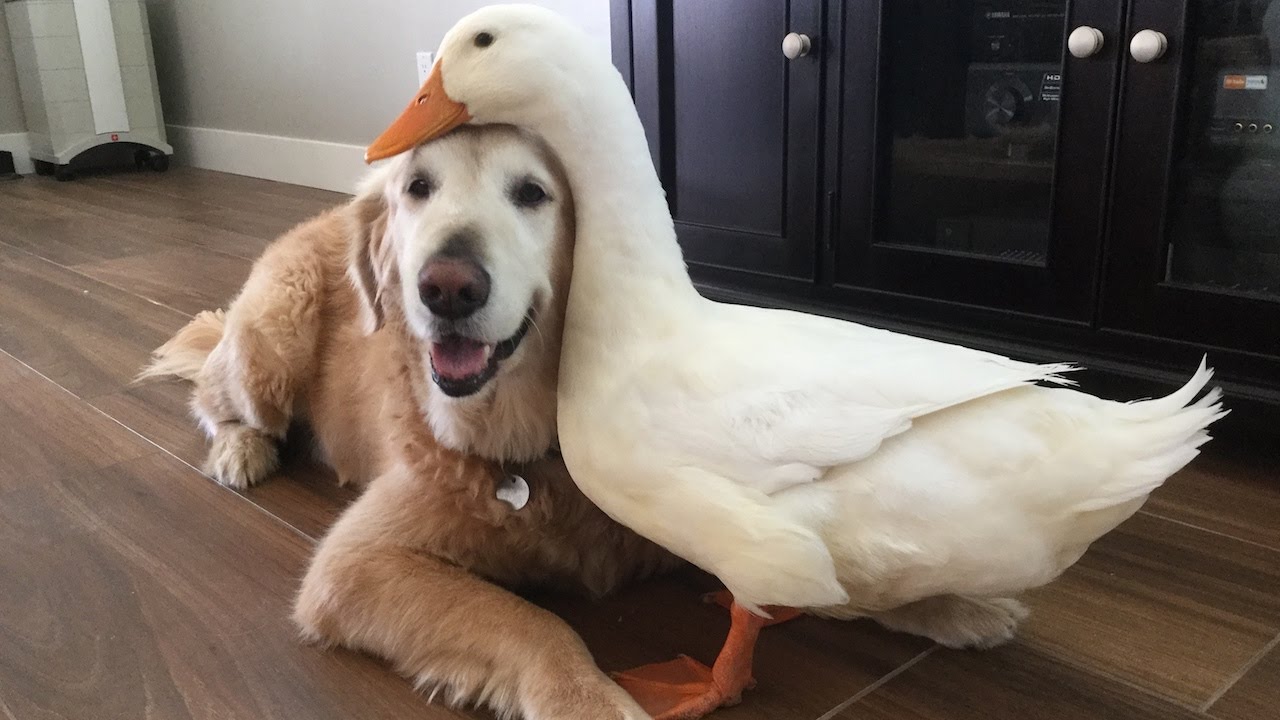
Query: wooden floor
x,y
133,587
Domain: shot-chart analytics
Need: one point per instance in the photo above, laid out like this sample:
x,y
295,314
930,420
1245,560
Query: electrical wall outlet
x,y
425,59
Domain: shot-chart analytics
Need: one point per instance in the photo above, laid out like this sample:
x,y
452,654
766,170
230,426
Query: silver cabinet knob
x,y
1085,41
1148,46
796,45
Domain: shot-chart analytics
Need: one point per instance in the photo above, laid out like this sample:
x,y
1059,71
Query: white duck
x,y
807,462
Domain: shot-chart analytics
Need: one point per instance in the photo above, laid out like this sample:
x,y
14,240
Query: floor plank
x,y
146,590
49,222
136,588
1255,695
66,236
1168,608
803,668
1229,490
254,223
159,411
302,495
232,191
47,432
88,337
92,338
1009,682
189,279
13,371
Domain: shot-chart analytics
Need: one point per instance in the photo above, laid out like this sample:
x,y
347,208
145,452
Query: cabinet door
x,y
975,151
1194,252
733,126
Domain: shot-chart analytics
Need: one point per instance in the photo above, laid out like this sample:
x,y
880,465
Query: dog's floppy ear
x,y
370,255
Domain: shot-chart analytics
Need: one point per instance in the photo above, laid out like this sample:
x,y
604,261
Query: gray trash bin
x,y
87,75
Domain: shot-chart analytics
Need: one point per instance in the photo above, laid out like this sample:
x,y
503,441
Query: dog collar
x,y
513,489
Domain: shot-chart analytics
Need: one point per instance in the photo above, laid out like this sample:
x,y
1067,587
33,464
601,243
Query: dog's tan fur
x,y
405,572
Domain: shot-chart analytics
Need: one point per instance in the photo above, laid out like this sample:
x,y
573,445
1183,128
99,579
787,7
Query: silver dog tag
x,y
514,491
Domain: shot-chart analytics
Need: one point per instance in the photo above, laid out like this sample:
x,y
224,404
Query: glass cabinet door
x,y
1195,246
972,107
983,178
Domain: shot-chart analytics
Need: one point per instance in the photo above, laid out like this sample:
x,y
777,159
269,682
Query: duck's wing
x,y
773,398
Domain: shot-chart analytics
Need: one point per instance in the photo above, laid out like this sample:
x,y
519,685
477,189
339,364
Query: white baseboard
x,y
314,163
18,144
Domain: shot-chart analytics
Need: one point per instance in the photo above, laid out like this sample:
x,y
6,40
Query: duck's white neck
x,y
629,275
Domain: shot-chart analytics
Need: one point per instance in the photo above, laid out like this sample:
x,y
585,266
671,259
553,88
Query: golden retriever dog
x,y
416,331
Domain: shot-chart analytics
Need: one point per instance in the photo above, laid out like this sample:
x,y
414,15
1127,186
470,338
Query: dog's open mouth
x,y
460,366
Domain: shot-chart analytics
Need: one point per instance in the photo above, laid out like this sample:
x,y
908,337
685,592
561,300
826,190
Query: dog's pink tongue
x,y
457,358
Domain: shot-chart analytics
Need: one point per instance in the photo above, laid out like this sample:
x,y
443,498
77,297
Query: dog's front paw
x,y
619,705
315,613
587,696
241,456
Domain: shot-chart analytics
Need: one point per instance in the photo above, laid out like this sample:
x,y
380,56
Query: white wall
x,y
331,73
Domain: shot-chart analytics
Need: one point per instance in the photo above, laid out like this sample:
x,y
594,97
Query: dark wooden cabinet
x,y
734,132
979,176
952,169
1195,240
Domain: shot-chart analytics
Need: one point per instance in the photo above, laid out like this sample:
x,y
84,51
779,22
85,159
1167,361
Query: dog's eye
x,y
484,39
530,194
419,188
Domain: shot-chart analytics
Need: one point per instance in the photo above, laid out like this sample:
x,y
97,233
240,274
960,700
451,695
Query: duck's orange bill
x,y
431,114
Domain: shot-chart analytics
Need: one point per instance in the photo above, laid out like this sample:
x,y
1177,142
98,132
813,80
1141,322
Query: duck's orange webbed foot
x,y
685,689
681,689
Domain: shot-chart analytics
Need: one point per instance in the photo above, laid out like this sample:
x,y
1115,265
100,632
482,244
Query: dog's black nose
x,y
453,287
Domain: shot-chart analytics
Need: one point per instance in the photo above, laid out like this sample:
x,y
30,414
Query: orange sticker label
x,y
1245,82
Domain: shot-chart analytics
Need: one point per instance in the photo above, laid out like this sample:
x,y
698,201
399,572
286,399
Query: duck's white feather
x,y
1001,494
856,470
772,398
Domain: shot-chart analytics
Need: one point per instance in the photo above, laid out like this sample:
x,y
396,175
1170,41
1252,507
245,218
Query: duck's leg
x,y
685,689
777,615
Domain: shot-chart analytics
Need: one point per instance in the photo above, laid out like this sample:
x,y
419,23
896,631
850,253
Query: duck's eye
x,y
529,194
419,188
484,39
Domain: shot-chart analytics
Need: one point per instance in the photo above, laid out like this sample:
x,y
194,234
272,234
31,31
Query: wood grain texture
x,y
1256,694
86,336
1230,490
188,279
46,431
1166,607
126,215
65,235
254,223
1008,683
159,412
235,192
303,495
135,588
803,668
13,371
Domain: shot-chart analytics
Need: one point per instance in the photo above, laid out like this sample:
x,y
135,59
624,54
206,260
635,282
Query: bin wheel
x,y
151,158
